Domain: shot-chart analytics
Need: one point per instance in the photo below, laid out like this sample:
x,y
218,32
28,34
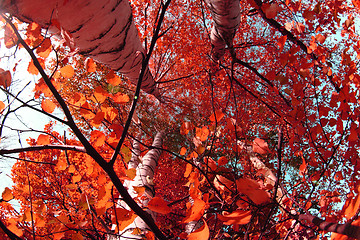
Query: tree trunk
x,y
102,30
145,169
226,16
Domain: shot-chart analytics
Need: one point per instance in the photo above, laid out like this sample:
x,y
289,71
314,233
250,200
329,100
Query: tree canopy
x,y
216,119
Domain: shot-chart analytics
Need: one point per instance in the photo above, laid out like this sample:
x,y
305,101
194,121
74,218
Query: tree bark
x,y
226,16
102,30
145,169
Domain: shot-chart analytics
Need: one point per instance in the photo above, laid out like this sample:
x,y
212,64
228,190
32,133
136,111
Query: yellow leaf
x,y
7,195
130,173
67,71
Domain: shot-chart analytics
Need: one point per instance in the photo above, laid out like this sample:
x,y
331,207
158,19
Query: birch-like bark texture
x,y
226,16
145,169
102,30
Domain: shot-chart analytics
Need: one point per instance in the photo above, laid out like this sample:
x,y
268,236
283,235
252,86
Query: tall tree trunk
x,y
145,169
226,16
102,30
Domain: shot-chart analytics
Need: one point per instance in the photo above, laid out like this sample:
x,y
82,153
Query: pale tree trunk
x,y
145,169
102,30
270,178
226,16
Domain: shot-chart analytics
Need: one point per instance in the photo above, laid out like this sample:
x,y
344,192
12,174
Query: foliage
x,y
261,144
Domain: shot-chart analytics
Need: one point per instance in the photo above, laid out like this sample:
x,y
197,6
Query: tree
x,y
263,132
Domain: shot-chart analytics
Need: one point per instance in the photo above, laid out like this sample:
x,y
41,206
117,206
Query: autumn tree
x,y
259,102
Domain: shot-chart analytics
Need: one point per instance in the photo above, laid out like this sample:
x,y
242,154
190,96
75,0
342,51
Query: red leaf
x,y
10,38
281,42
219,115
222,161
90,65
5,78
237,217
44,49
270,10
159,205
260,146
251,188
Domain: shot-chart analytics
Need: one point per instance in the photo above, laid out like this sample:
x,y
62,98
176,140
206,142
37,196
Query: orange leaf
x,y
202,133
302,168
251,188
100,94
121,98
43,139
2,106
260,146
186,127
32,69
5,78
113,79
352,207
124,217
7,195
159,205
188,170
202,233
48,106
13,227
182,151
196,211
237,217
90,65
67,71
97,138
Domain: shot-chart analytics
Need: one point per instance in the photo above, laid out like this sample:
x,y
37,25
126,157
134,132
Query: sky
x,y
25,116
